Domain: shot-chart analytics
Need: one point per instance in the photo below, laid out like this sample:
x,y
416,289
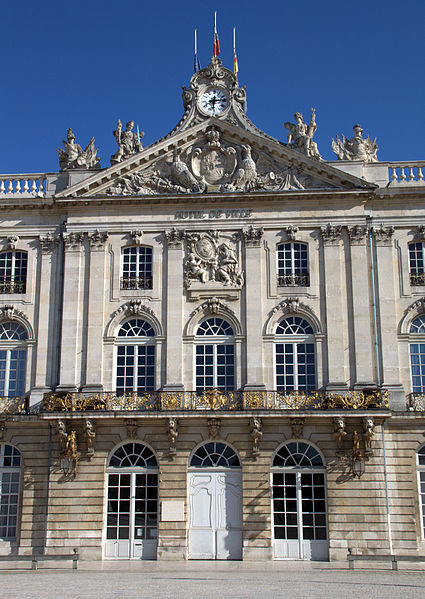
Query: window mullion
x,y
135,368
292,258
7,373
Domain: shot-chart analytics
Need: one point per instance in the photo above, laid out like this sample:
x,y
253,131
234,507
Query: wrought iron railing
x,y
416,402
13,405
214,399
417,278
136,282
12,287
293,280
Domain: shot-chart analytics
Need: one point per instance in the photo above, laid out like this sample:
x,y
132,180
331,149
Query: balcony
x,y
417,278
216,400
416,402
13,405
12,287
293,280
136,283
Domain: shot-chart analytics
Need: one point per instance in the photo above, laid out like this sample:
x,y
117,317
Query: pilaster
x,y
335,324
362,314
95,317
174,302
253,309
72,311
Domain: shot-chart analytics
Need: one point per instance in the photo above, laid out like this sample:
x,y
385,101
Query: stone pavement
x,y
210,580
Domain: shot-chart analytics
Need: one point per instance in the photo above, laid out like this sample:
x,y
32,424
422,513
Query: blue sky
x,y
86,64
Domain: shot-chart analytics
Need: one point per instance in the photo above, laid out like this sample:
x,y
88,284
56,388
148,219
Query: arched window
x,y
13,359
13,272
10,478
292,264
215,355
136,271
135,357
132,508
416,263
299,502
417,355
295,355
215,455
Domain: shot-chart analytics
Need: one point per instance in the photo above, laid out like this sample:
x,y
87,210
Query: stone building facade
x,y
213,348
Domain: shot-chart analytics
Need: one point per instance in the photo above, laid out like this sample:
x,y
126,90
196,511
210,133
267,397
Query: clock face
x,y
214,101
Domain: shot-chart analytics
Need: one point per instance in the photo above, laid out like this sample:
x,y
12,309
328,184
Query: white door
x,y
299,504
215,514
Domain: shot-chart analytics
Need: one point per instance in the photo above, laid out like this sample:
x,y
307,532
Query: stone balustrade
x,y
405,173
216,400
23,186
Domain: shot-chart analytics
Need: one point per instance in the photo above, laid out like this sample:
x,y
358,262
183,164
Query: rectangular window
x,y
135,369
12,372
13,272
215,367
295,367
292,265
416,263
417,367
136,268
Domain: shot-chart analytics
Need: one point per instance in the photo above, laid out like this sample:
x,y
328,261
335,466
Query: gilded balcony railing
x,y
416,402
13,405
215,399
12,286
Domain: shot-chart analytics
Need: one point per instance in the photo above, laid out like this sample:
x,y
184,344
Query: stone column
x,y
174,333
364,353
95,316
253,309
386,299
46,340
335,322
72,311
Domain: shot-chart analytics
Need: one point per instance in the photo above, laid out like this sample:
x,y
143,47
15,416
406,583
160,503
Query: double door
x,y
215,514
132,516
300,515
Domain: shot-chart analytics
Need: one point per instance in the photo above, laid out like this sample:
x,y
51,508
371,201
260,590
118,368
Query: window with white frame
x,y
417,354
13,359
295,356
135,357
136,270
215,355
10,478
13,272
416,263
292,264
420,457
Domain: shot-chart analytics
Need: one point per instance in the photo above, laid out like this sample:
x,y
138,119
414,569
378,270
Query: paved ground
x,y
206,580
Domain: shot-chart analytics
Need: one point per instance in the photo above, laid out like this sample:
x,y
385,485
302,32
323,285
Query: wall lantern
x,y
358,461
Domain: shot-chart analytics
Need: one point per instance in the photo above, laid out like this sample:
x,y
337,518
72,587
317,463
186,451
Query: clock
x,y
214,101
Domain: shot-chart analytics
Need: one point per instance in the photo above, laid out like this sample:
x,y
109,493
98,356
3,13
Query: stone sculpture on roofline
x,y
128,142
73,156
300,136
356,148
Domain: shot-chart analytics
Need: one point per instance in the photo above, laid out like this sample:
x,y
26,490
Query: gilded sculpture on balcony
x,y
356,148
74,157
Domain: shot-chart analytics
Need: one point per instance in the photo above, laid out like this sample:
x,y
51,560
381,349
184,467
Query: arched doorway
x,y
132,504
215,503
300,528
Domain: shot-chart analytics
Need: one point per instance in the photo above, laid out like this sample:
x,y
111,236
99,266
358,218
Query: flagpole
x,y
196,45
234,39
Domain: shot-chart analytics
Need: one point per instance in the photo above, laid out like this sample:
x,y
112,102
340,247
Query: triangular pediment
x,y
215,156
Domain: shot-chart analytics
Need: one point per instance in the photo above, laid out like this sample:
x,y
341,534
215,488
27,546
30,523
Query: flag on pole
x,y
196,63
216,45
235,58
